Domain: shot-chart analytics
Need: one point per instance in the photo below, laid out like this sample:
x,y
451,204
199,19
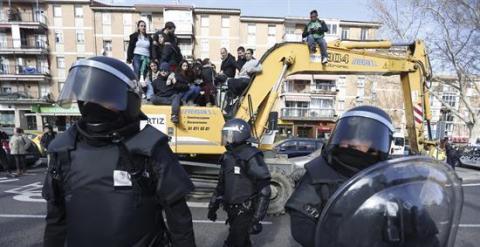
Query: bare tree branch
x,y
453,110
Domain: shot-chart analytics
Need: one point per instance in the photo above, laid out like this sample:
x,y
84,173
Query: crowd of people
x,y
167,78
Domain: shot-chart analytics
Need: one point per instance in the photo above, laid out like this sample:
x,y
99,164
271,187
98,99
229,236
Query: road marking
x,y
198,204
37,216
6,180
469,225
28,193
470,185
33,216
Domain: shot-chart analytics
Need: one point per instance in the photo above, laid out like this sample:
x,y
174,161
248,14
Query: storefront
x,y
60,118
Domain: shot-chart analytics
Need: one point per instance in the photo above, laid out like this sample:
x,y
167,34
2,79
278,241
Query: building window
x,y
341,105
78,11
57,11
127,24
59,37
252,30
450,98
345,33
364,34
107,23
107,47
332,28
204,48
60,63
225,21
80,37
125,48
147,18
205,21
44,90
361,81
272,32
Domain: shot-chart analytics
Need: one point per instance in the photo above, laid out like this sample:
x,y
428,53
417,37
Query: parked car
x,y
294,147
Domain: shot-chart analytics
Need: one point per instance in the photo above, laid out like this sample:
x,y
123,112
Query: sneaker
x,y
325,60
175,119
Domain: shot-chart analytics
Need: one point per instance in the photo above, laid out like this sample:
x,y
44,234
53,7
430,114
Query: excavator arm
x,y
345,58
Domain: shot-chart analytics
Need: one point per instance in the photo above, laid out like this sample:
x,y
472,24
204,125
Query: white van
x,y
398,144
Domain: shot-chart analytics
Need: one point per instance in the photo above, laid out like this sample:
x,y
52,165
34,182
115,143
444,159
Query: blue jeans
x,y
320,41
149,92
140,63
192,93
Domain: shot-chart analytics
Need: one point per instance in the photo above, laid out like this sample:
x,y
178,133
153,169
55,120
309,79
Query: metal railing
x,y
28,43
326,88
305,113
23,70
14,15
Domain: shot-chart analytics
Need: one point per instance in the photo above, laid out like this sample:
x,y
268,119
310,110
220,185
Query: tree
x,y
451,30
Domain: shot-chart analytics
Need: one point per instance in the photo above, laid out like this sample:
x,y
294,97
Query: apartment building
x,y
24,71
75,29
446,123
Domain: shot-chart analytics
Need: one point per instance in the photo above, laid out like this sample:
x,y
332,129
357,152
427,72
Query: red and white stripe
x,y
418,113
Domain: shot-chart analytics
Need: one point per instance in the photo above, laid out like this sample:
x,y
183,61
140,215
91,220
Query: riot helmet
x,y
236,131
106,91
361,138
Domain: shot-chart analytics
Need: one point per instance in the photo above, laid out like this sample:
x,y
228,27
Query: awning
x,y
57,111
301,98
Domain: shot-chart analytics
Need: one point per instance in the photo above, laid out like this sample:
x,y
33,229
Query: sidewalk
x,y
468,174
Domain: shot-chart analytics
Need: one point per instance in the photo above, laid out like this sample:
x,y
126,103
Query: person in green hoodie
x,y
314,32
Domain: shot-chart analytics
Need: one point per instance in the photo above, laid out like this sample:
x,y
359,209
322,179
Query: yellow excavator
x,y
196,138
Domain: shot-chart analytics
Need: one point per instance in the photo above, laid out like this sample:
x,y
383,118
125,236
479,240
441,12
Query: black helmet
x,y
236,131
362,137
105,81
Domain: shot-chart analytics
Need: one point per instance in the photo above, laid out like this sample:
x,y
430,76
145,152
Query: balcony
x,y
29,46
24,73
29,19
323,88
308,114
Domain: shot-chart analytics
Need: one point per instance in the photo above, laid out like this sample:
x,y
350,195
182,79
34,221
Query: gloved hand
x,y
212,214
256,227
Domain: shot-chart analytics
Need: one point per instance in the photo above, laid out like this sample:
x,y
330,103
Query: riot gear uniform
x,y
361,138
243,187
108,181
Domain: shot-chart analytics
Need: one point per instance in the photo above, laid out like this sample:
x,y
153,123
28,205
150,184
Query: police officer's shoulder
x,y
304,198
64,141
320,172
247,152
146,141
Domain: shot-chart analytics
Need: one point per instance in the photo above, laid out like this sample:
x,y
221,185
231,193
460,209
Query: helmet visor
x,y
364,134
227,136
93,85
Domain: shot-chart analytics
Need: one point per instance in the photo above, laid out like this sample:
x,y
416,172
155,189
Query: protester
x,y
315,33
48,136
167,91
139,51
185,75
241,59
207,92
228,65
152,76
19,145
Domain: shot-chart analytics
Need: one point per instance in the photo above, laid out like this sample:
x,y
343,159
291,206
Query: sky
x,y
354,10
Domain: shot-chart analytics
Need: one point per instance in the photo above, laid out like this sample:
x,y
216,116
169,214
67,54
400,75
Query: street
x,y
22,213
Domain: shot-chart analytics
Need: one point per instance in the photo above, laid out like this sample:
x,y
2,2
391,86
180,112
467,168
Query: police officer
x,y
361,138
108,181
243,185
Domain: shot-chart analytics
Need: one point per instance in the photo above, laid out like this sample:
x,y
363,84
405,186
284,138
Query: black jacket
x,y
229,66
240,62
320,31
47,138
208,74
171,54
87,207
161,89
131,45
182,82
305,204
